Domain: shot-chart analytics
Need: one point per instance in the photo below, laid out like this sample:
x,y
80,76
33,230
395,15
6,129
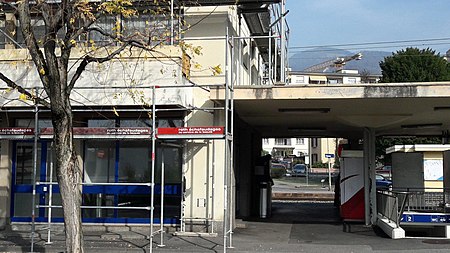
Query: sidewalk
x,y
295,226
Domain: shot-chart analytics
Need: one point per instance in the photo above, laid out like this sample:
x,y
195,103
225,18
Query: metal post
x,y
183,194
275,64
283,43
35,157
207,195
161,232
229,144
152,193
270,58
213,183
171,23
225,178
329,174
250,62
50,196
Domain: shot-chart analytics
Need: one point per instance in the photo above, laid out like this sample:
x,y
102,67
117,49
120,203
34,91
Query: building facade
x,y
342,77
141,117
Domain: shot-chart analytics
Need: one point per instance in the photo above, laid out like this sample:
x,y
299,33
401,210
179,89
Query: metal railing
x,y
427,199
391,204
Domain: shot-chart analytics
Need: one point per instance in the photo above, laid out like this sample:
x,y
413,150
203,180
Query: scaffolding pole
x,y
161,232
152,191
35,157
225,196
280,44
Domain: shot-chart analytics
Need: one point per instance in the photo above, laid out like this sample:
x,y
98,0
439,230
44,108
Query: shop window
x,y
24,163
101,123
29,123
99,161
135,161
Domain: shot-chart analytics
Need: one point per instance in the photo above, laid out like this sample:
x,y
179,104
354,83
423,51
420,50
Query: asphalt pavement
x,y
295,226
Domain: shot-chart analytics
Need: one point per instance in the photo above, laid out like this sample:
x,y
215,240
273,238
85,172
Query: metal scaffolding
x,y
274,73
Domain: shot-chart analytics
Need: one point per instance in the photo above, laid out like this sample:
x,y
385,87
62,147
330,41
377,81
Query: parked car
x,y
299,170
385,171
382,182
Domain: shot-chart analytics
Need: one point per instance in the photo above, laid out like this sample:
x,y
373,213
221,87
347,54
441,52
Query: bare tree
x,y
69,24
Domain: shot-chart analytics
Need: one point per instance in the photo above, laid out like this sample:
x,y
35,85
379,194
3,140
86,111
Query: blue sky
x,y
326,22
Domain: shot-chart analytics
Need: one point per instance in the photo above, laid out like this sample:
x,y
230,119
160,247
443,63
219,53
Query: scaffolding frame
x,y
280,37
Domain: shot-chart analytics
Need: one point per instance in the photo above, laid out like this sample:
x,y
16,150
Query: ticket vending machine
x,y
352,185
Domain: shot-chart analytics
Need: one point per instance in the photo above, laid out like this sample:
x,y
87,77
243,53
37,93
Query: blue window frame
x,y
110,195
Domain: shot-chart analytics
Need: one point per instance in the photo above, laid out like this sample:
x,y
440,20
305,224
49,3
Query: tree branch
x,y
20,89
30,40
9,4
88,59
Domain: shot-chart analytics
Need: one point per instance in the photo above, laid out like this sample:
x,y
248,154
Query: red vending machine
x,y
352,184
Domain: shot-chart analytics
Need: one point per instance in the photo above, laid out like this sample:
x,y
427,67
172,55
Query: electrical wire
x,y
371,43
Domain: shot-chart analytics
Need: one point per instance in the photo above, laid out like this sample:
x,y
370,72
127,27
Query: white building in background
x,y
345,76
280,148
308,150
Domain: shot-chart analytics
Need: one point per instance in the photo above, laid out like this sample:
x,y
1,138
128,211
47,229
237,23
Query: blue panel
x,y
425,218
174,189
168,221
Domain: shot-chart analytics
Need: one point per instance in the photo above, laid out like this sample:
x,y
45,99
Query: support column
x,y
370,197
5,180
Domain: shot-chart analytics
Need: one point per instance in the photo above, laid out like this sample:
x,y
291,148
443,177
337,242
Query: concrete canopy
x,y
402,109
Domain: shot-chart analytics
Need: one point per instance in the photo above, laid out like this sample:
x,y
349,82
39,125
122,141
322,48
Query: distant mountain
x,y
369,62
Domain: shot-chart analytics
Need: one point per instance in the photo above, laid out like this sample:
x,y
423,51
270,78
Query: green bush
x,y
277,172
320,165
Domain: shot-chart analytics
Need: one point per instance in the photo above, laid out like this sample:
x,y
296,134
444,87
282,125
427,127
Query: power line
x,y
370,43
374,47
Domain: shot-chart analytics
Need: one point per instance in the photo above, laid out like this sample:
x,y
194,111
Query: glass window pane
x,y
99,161
169,123
98,200
135,161
22,204
136,123
101,123
24,163
56,201
172,207
51,163
172,165
29,123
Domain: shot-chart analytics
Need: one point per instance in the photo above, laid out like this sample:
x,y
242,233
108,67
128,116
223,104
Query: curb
x,y
303,196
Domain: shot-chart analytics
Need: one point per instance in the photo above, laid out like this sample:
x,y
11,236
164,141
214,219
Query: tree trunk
x,y
69,175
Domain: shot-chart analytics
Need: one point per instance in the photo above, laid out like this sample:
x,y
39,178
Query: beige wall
x,y
5,181
213,50
129,71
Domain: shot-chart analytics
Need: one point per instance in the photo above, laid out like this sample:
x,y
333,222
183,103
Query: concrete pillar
x,y
370,197
5,181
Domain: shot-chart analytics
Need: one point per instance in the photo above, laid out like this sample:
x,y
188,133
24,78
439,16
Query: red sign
x,y
103,131
16,131
190,130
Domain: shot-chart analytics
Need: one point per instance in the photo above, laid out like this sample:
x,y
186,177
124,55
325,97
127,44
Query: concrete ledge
x,y
194,234
325,196
390,228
